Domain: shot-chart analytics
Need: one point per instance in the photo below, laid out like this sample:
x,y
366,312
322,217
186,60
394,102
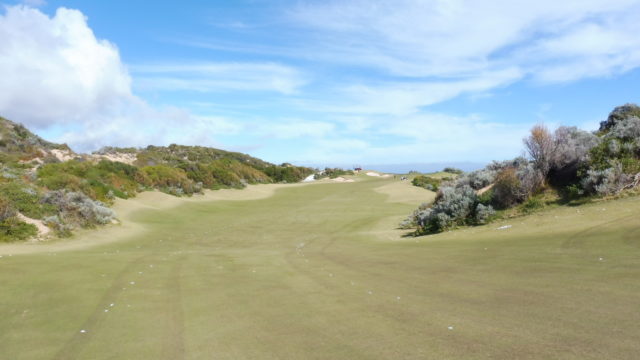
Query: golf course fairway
x,y
320,271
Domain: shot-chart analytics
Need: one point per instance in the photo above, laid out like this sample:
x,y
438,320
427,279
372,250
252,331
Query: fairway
x,y
320,271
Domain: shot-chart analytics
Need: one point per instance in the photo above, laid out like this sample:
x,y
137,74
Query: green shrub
x,y
25,199
12,229
426,182
532,204
332,173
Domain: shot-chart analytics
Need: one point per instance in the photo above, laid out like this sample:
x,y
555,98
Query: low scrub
x,y
426,182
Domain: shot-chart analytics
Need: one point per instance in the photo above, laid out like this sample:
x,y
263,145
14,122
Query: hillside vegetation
x,y
572,163
63,190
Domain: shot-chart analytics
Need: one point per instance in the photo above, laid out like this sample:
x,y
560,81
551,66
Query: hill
x,y
49,186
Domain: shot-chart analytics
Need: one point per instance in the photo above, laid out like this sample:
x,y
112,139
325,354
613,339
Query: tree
x,y
541,146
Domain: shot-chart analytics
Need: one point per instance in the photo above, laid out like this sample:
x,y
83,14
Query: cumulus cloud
x,y
54,70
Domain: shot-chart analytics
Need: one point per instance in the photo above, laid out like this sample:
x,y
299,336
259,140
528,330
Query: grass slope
x,y
315,272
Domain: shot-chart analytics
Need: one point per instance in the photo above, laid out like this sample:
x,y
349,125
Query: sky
x,y
400,83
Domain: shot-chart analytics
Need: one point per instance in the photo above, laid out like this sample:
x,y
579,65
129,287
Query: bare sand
x,y
127,228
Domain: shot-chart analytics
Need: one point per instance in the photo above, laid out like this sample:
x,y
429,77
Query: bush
x,y
25,199
332,173
167,179
12,229
453,170
618,114
477,179
605,182
483,213
507,189
453,206
78,209
572,147
426,182
6,210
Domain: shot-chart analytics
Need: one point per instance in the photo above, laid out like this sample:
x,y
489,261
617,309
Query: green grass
x,y
232,280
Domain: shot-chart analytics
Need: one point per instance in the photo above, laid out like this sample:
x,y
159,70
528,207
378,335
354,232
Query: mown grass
x,y
317,272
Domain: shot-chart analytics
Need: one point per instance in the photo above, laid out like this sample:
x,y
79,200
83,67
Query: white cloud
x,y
54,70
56,75
445,38
294,128
219,77
408,97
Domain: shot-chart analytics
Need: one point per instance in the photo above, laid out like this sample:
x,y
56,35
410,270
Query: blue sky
x,y
317,82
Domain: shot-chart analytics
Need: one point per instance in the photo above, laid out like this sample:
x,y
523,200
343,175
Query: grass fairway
x,y
318,272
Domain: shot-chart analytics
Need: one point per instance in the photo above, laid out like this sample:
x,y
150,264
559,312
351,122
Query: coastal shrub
x,y
532,204
507,188
60,227
332,173
607,181
572,147
453,206
166,178
483,213
12,229
426,182
96,180
25,199
627,129
477,179
288,173
78,209
452,170
6,210
618,114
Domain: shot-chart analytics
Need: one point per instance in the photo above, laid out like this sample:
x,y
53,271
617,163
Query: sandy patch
x,y
126,158
154,200
310,178
63,155
341,179
43,230
371,173
484,189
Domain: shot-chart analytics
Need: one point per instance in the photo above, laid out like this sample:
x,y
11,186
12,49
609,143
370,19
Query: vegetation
x,y
332,173
574,163
426,182
74,193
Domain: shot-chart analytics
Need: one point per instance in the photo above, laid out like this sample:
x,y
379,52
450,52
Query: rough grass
x,y
316,272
